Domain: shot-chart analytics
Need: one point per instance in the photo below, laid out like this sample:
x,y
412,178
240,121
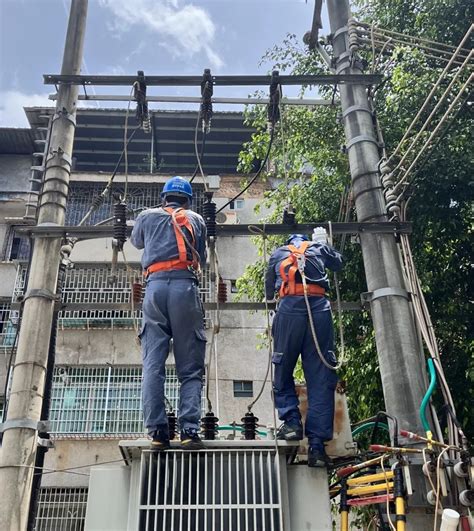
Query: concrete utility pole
x,y
17,455
400,358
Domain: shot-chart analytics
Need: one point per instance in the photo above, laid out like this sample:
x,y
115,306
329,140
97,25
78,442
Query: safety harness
x,y
179,221
289,269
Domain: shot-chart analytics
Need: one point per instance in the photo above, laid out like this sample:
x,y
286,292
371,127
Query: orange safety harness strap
x,y
179,220
288,271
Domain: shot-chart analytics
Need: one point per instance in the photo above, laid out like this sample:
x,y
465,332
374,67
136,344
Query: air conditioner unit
x,y
227,218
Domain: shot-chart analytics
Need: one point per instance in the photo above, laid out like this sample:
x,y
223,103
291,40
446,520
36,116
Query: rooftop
x,y
170,146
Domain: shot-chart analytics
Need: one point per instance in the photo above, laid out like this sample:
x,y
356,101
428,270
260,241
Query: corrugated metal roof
x,y
15,141
99,140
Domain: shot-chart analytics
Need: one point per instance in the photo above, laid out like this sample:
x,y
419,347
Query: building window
x,y
243,388
8,326
90,286
238,204
103,400
61,508
139,196
16,247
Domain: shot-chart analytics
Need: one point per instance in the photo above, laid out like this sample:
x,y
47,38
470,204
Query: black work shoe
x,y
290,432
159,443
317,458
190,440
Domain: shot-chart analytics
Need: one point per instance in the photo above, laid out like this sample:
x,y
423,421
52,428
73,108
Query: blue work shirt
x,y
319,257
154,232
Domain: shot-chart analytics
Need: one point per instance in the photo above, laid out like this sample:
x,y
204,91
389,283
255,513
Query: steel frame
x,y
223,81
106,231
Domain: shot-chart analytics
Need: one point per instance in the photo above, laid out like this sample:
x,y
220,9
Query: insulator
x,y
120,223
222,291
97,201
146,125
172,424
289,215
137,292
385,167
466,497
209,214
249,422
209,426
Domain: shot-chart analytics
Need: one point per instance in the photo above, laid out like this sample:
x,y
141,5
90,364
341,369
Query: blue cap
x,y
177,186
302,237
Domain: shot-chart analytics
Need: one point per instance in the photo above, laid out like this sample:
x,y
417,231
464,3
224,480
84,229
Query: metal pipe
x,y
19,444
223,81
197,100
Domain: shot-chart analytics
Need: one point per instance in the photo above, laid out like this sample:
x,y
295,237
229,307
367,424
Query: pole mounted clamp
x,y
64,114
57,157
42,294
30,424
371,296
361,138
355,108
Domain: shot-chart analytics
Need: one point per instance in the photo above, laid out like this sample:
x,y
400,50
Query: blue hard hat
x,y
297,237
177,186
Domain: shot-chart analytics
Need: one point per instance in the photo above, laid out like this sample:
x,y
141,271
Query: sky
x,y
161,37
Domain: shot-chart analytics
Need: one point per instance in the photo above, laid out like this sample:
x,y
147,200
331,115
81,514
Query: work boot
x,y
290,432
190,440
160,441
317,457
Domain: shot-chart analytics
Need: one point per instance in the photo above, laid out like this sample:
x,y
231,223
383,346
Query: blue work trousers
x,y
172,308
292,337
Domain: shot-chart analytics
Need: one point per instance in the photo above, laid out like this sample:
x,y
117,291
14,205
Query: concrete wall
x,y
14,184
78,453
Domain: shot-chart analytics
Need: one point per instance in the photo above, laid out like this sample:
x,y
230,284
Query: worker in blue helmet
x,y
173,239
292,337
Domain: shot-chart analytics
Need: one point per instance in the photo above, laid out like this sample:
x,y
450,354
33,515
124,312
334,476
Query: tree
x,y
441,193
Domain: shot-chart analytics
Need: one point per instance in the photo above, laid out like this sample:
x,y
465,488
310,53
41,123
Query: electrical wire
x,y
255,177
201,154
438,484
431,93
261,232
196,151
108,186
125,141
389,520
440,101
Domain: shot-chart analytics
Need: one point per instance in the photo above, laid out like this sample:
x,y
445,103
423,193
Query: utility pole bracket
x,y
45,443
41,293
371,296
65,115
37,425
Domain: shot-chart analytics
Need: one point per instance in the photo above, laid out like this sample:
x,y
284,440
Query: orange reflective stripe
x,y
179,218
288,271
167,265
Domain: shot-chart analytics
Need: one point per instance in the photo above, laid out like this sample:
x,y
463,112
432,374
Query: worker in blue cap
x,y
174,242
292,337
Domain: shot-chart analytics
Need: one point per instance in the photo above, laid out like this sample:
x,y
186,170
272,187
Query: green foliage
x,y
440,207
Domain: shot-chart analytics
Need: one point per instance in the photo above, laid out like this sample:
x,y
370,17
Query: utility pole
x,y
19,446
401,360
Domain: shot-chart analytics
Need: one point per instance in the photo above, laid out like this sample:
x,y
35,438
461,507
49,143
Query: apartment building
x,y
96,398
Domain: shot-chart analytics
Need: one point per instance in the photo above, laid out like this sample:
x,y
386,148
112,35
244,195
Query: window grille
x,y
61,509
90,285
103,400
216,489
139,195
15,247
8,326
243,388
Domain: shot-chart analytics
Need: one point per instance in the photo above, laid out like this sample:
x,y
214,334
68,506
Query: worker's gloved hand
x,y
320,235
130,222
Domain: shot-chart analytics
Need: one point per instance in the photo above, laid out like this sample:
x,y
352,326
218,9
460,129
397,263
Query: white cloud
x,y
12,103
186,30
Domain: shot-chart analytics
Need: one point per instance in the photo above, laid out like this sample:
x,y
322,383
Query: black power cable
x,y
255,177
